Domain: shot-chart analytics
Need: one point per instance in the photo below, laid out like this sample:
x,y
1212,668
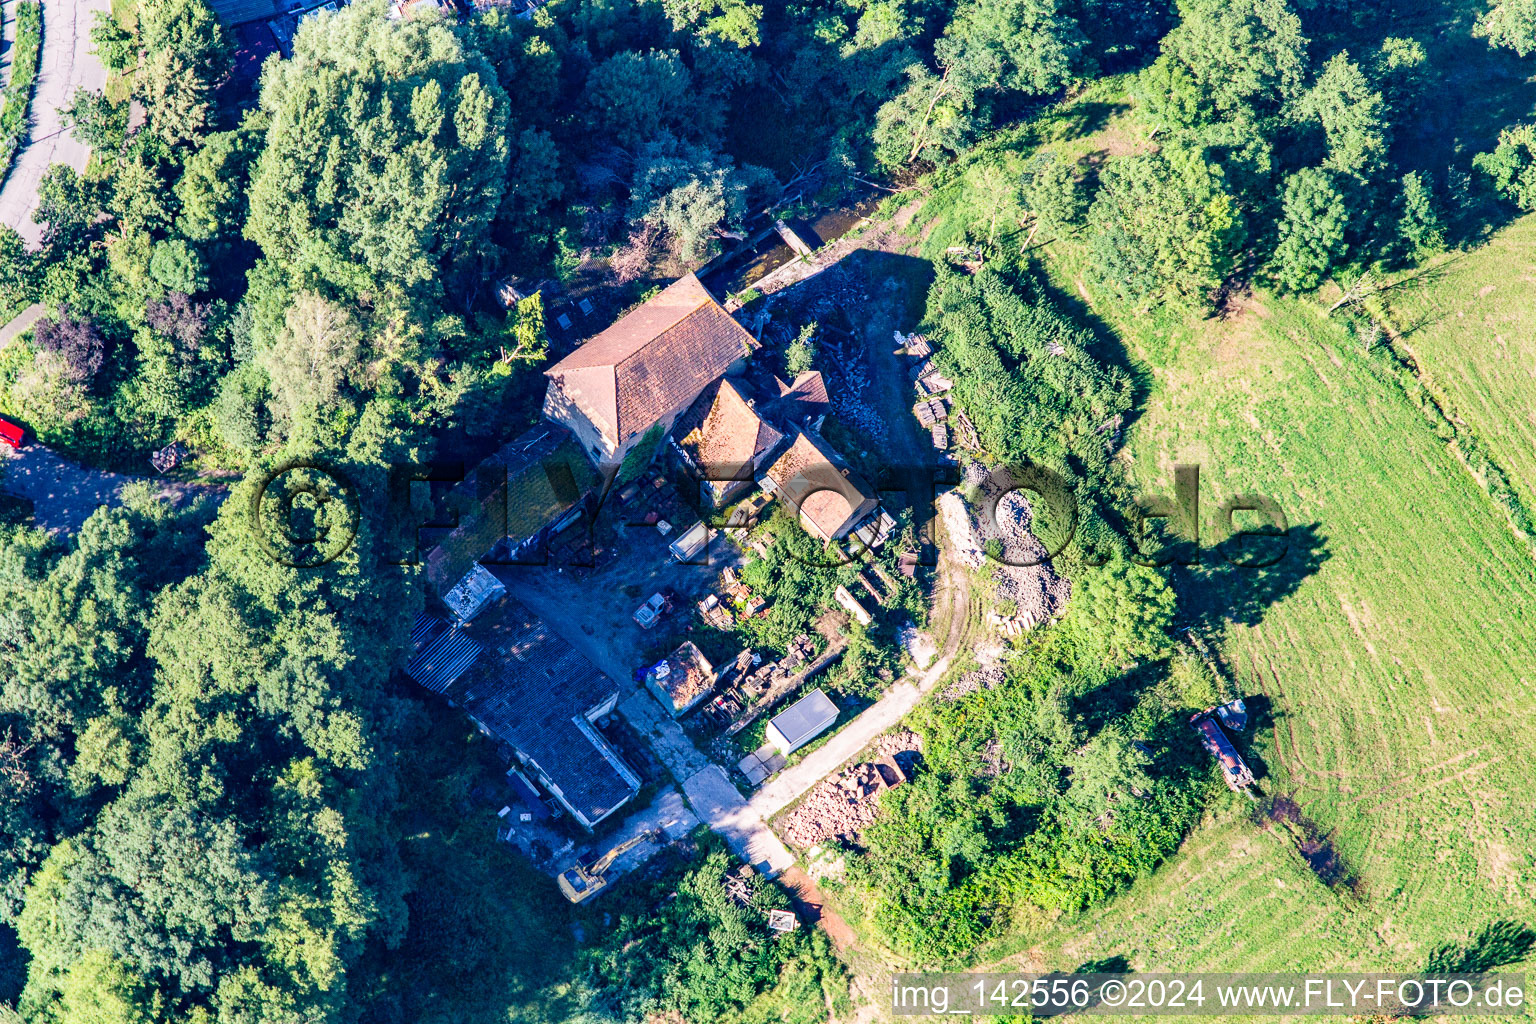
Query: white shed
x,y
693,540
801,722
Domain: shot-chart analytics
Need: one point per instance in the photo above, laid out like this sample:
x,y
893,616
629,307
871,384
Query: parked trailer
x,y
1233,768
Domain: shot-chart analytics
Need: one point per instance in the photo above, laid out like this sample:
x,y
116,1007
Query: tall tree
x,y
636,97
1172,225
1028,46
1312,229
185,58
1352,116
385,160
316,352
1510,24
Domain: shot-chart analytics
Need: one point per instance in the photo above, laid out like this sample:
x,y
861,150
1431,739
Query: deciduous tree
x,y
1312,229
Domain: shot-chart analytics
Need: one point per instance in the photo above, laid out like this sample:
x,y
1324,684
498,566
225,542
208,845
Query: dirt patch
x,y
811,906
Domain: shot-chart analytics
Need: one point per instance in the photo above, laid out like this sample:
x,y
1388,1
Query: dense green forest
x,y
219,803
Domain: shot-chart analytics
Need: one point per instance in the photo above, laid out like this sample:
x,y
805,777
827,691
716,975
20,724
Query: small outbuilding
x,y
471,594
803,721
691,543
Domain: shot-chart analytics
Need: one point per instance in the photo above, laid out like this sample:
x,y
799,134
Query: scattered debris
x,y
738,885
1035,592
715,613
986,678
782,920
968,438
920,646
851,603
167,458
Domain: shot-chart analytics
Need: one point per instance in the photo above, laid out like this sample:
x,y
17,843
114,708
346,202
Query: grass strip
x,y
17,97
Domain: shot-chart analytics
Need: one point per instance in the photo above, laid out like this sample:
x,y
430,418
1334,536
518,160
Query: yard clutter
x,y
851,603
654,610
761,685
843,805
1035,592
681,679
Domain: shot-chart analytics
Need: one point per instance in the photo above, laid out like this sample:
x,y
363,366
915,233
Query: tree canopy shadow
x,y
1497,945
1217,592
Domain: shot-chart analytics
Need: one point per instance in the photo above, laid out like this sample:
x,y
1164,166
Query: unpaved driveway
x,y
67,64
64,494
594,609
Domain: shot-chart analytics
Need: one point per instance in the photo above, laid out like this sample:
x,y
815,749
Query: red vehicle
x,y
1234,770
11,434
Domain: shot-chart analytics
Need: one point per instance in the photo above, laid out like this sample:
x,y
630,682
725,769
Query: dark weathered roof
x,y
532,689
236,12
440,654
654,359
801,402
526,485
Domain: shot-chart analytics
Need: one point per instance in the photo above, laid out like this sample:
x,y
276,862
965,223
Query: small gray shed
x,y
801,722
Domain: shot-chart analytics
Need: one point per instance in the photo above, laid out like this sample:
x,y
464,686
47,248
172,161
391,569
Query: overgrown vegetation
x,y
1053,790
683,945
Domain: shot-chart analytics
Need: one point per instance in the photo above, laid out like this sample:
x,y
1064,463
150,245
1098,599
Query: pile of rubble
x,y
978,679
843,805
846,365
988,673
1035,591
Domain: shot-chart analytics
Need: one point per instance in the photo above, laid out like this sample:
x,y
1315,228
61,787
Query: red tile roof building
x,y
723,439
644,370
832,500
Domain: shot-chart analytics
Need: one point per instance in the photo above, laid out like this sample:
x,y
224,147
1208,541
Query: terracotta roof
x,y
808,389
802,401
654,359
810,477
721,431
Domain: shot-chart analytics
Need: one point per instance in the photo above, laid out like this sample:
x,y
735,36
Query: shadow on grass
x,y
1217,593
1498,945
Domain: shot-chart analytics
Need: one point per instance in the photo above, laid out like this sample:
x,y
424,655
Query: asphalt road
x,y
67,64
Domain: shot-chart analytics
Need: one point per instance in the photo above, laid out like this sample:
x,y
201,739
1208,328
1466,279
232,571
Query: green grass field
x,y
1396,657
1471,323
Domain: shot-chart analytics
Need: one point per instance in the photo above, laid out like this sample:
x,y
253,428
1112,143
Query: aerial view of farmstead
x,y
766,511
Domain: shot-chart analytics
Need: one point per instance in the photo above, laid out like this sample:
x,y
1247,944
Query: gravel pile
x,y
972,682
1036,590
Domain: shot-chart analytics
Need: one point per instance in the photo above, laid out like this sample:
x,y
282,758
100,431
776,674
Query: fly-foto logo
x,y
306,515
